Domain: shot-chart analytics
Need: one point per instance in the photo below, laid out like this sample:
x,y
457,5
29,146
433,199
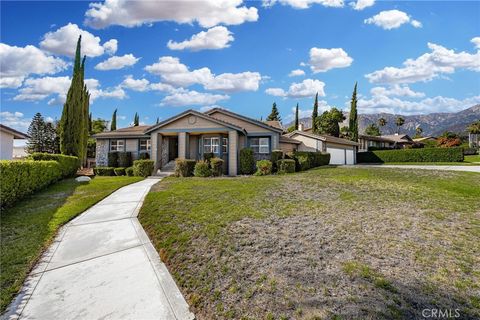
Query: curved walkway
x,y
425,167
102,266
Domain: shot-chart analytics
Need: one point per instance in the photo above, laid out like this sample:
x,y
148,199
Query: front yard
x,y
329,243
30,226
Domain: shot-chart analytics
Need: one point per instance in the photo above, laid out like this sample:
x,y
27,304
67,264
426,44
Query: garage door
x,y
341,156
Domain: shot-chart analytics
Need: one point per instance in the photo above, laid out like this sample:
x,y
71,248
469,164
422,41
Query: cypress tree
x,y
274,115
74,120
90,123
158,120
113,124
296,117
36,131
135,120
315,115
353,119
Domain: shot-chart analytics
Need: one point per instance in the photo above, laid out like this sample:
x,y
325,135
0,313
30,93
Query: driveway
x,y
425,167
102,266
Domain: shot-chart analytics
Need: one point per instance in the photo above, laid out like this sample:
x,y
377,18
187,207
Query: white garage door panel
x,y
337,156
350,157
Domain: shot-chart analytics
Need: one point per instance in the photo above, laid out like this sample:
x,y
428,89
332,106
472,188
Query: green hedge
x,y
247,161
202,169
112,159
124,159
276,155
264,167
68,164
286,166
143,168
184,167
129,171
104,171
412,155
305,160
216,164
120,171
21,178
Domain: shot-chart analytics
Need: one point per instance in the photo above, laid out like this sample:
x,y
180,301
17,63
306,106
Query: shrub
x,y
120,171
143,168
264,167
286,166
124,159
202,169
207,156
304,160
184,167
112,159
68,164
216,164
21,178
144,156
129,171
321,159
276,155
469,151
247,161
104,171
412,155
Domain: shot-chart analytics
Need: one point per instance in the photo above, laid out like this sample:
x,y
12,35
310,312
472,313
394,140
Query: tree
x,y
418,132
74,120
98,125
474,127
399,122
51,142
353,118
135,120
449,139
328,122
158,120
36,131
315,115
274,115
90,122
372,130
296,117
113,124
382,122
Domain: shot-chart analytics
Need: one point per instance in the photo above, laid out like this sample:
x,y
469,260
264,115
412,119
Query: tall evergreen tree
x,y
353,118
90,122
328,122
36,131
158,120
315,115
136,119
296,117
113,124
274,115
74,120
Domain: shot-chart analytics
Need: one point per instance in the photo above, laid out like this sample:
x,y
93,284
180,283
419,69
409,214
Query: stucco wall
x,y
6,145
250,127
308,144
101,153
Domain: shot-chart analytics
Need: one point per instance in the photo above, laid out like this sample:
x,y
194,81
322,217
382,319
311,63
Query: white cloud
x,y
476,42
428,66
322,60
296,73
64,42
187,98
214,38
362,4
392,19
304,4
15,120
117,62
177,74
208,108
16,63
306,88
142,85
396,90
207,13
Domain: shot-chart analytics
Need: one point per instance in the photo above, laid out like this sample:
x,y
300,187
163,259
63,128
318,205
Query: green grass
x,y
262,242
464,163
472,158
28,227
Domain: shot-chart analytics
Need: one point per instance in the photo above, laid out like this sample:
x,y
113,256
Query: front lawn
x,y
472,158
29,227
329,243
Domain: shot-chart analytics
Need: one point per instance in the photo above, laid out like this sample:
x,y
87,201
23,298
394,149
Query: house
x,y
424,139
7,135
392,141
342,151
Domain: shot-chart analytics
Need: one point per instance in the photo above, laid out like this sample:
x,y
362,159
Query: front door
x,y
172,148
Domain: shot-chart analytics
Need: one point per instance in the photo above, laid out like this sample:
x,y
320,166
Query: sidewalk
x,y
102,266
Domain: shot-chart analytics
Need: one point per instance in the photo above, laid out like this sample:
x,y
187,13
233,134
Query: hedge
x,y
216,164
286,166
412,155
247,161
264,167
68,164
144,156
21,178
112,159
143,168
104,171
276,155
184,167
124,159
129,171
305,160
207,156
202,169
120,171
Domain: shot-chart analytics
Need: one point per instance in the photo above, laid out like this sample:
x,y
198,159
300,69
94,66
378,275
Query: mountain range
x,y
433,124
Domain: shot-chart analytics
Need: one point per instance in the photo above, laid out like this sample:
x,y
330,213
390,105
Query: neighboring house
x,y
423,139
20,152
392,141
7,135
342,151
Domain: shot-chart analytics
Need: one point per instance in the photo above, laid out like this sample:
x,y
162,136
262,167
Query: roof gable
x,y
243,118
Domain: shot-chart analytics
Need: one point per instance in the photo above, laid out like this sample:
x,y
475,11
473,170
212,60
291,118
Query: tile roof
x,y
323,137
138,131
16,134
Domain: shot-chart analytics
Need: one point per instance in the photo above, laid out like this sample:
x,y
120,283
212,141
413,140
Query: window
x,y
260,145
225,145
145,145
211,145
117,145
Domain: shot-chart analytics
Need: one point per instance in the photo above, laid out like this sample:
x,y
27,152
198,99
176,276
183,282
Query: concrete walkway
x,y
425,167
102,266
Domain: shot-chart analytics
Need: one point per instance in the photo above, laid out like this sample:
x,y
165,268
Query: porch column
x,y
156,152
232,152
182,145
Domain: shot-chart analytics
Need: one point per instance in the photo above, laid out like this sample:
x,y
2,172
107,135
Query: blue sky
x,y
241,56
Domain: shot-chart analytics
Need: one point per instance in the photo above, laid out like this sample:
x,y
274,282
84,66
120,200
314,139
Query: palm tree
x,y
382,122
399,122
418,132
